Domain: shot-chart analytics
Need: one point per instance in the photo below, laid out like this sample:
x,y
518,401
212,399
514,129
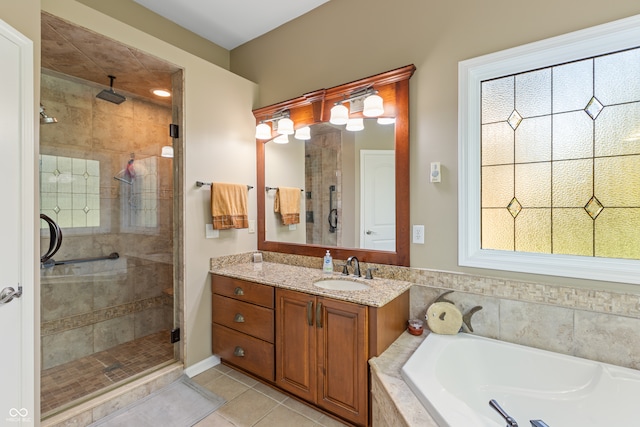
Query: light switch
x,y
292,227
435,172
252,226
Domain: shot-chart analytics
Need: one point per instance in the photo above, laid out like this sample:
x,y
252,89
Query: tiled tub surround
x,y
393,404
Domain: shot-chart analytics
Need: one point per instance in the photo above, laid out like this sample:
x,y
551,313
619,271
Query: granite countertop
x,y
386,368
302,279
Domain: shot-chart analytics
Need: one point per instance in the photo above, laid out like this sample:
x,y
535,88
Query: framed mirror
x,y
353,185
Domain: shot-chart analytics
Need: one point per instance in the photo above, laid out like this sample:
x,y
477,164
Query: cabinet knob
x,y
238,318
238,291
238,352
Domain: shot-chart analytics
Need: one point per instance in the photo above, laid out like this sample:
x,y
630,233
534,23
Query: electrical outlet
x,y
293,227
418,234
252,226
210,233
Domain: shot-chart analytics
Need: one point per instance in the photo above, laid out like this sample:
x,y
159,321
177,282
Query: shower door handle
x,y
8,294
55,240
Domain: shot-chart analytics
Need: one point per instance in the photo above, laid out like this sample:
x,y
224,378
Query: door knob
x,y
369,232
8,294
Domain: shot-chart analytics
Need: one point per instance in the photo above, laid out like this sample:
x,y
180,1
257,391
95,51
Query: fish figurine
x,y
443,317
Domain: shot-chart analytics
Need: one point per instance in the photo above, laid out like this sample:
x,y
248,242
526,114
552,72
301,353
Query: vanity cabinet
x,y
321,352
313,347
243,324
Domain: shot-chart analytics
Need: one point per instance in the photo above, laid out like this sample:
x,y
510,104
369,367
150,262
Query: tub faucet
x,y
510,421
356,269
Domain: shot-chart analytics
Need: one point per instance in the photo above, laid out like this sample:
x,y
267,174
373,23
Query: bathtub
x,y
455,376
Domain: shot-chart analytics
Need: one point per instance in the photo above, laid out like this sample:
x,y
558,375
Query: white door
x,y
378,201
17,220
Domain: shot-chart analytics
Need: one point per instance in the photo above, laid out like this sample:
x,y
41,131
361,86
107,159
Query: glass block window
x,y
70,191
549,160
560,153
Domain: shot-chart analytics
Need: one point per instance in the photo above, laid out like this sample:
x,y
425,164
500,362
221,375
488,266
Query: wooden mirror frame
x,y
315,107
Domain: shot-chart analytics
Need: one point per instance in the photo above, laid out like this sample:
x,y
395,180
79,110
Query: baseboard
x,y
202,366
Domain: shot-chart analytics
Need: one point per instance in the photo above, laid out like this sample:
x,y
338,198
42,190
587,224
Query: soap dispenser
x,y
327,266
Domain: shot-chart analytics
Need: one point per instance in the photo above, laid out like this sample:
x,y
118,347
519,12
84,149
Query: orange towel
x,y
287,202
229,206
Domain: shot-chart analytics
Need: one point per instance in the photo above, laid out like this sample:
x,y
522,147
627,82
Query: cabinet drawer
x,y
244,351
244,317
242,290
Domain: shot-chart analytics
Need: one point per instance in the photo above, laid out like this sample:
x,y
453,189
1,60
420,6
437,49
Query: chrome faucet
x,y
510,421
356,269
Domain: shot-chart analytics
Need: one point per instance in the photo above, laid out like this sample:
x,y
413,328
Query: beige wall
x,y
345,40
219,146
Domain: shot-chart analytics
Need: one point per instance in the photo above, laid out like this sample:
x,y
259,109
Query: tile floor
x,y
253,404
65,383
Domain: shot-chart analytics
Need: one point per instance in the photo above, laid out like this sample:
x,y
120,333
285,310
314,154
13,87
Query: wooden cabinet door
x,y
296,343
342,359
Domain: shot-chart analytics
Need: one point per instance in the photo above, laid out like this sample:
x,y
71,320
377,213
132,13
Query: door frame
x,y
29,321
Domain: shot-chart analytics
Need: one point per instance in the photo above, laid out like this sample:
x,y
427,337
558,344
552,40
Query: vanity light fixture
x,y
263,131
386,120
282,124
281,139
355,124
339,114
285,126
372,106
304,133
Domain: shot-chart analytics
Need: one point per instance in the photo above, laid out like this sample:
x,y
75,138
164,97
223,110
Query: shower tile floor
x,y
65,383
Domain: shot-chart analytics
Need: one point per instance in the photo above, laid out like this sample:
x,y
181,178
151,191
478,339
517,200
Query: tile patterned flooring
x,y
65,383
253,404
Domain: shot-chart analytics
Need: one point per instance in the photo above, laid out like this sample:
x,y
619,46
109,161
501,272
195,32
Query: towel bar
x,y
275,188
201,183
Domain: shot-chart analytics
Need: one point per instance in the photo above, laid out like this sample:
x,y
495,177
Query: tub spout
x,y
538,423
510,421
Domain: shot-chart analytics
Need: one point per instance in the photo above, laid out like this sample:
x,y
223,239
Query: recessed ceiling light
x,y
161,92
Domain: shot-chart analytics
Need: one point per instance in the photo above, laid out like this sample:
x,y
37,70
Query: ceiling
x,y
230,23
75,51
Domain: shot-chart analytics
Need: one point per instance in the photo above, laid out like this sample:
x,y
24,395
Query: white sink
x,y
341,285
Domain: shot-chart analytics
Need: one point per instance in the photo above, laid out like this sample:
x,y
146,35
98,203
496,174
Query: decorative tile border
x,y
86,319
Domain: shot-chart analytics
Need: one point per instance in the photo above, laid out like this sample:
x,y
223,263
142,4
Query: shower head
x,y
111,95
44,119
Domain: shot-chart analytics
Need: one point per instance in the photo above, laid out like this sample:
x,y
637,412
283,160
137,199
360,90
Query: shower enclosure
x,y
107,294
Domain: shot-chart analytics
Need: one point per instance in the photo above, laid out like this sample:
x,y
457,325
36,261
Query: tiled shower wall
x,y
93,306
323,160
